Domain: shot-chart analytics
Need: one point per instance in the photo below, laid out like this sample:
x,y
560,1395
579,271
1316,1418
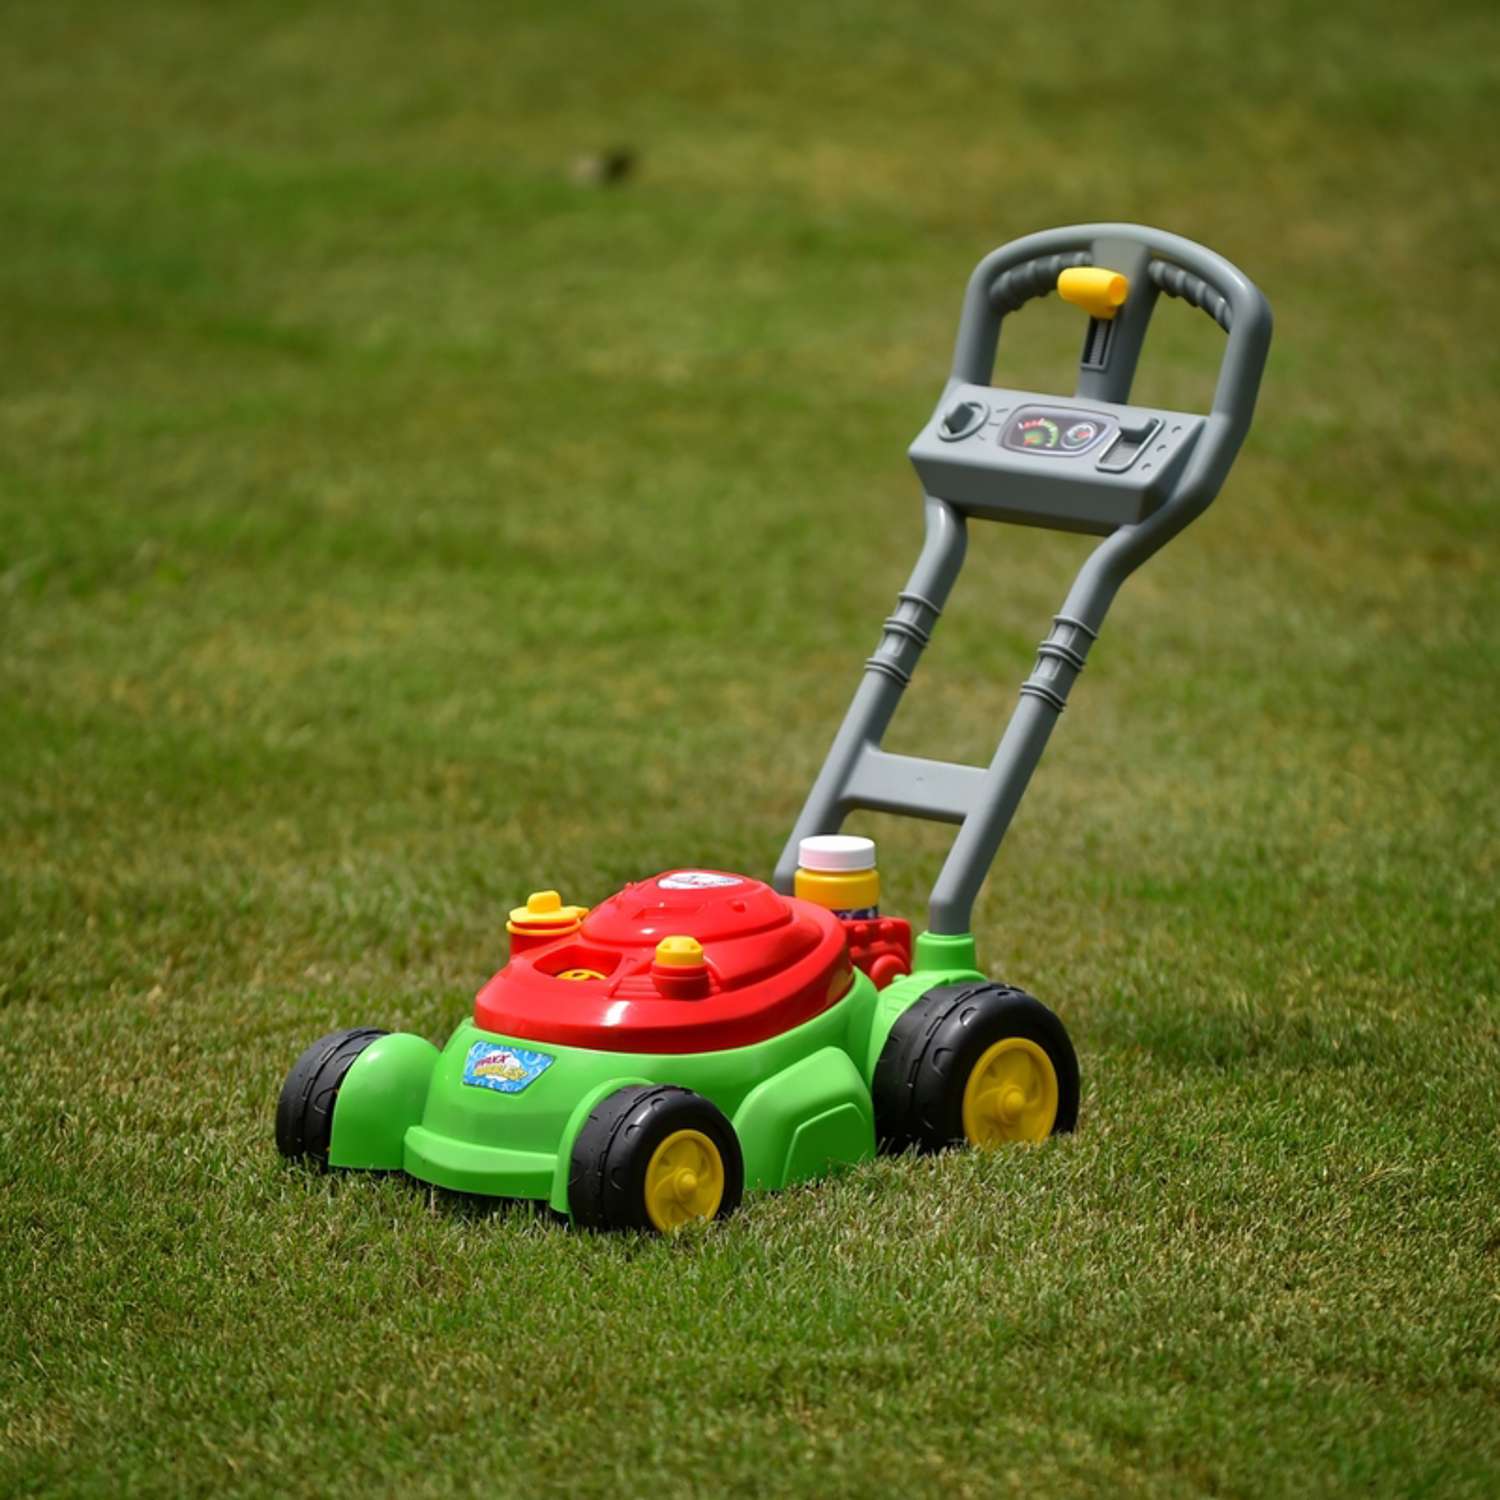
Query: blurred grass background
x,y
392,522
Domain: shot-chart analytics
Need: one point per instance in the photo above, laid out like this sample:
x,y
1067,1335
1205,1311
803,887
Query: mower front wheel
x,y
653,1158
304,1112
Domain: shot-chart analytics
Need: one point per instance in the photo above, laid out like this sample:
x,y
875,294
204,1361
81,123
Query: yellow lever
x,y
1097,291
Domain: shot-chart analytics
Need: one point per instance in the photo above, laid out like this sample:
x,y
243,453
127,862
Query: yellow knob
x,y
545,913
1099,292
679,953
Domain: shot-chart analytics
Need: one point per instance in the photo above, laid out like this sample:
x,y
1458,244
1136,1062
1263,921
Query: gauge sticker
x,y
1056,432
1035,432
696,880
507,1070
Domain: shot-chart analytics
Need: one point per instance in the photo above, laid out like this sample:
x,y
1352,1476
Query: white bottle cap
x,y
836,851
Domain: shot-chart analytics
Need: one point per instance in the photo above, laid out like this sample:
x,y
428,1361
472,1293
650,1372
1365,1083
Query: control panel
x,y
1072,465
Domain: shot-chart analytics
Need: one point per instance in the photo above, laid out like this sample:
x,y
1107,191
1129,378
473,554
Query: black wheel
x,y
976,1063
304,1113
653,1158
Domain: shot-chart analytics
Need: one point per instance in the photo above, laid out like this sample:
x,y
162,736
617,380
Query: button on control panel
x,y
1130,442
961,419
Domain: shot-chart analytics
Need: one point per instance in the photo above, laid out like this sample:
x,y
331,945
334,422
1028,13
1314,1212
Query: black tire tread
x,y
924,1065
610,1154
304,1110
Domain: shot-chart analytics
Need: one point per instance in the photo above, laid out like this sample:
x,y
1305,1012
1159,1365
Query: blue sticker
x,y
507,1070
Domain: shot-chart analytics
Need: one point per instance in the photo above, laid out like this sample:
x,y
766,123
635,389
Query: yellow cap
x,y
544,911
1098,291
679,953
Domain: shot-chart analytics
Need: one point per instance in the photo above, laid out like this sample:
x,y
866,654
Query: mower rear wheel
x,y
982,1064
653,1158
304,1112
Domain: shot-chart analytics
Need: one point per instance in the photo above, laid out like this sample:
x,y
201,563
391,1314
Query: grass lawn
x,y
391,523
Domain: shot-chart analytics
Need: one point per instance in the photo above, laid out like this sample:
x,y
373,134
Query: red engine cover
x,y
773,962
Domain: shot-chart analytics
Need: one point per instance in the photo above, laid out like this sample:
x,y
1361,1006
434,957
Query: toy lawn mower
x,y
643,1063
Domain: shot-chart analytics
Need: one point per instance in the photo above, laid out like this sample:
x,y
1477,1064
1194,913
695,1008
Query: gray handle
x,y
857,772
1154,261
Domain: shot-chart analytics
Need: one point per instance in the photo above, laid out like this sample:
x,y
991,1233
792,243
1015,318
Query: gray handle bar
x,y
857,772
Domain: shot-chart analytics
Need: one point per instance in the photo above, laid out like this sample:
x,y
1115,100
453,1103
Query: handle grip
x,y
1176,282
1016,287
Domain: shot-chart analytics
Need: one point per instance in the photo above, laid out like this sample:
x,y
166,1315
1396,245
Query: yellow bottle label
x,y
840,890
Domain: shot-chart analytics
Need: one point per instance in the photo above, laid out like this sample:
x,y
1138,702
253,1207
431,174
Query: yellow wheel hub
x,y
684,1180
1011,1094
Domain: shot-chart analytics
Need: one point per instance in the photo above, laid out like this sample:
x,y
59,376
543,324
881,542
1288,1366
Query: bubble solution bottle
x,y
837,870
